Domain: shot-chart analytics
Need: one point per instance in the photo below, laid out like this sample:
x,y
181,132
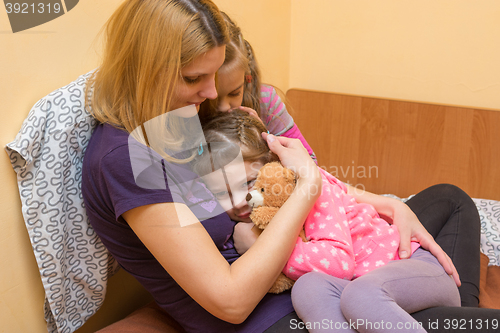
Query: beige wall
x,y
436,51
443,51
266,25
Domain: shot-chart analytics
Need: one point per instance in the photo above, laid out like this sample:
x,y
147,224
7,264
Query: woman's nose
x,y
209,90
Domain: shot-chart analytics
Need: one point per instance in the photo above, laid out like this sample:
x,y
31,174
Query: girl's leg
x,y
451,217
381,300
316,299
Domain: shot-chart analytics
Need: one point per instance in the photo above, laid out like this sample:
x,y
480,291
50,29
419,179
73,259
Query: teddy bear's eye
x,y
262,190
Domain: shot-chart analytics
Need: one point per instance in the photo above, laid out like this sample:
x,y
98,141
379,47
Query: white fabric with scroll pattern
x,y
47,156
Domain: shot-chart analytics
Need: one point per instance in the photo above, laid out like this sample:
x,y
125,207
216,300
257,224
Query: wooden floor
x,y
398,147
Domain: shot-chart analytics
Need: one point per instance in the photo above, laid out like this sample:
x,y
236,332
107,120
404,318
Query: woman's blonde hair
x,y
147,44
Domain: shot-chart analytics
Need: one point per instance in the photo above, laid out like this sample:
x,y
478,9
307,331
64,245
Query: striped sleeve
x,y
277,119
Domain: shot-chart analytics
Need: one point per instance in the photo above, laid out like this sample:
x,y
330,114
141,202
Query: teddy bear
x,y
273,186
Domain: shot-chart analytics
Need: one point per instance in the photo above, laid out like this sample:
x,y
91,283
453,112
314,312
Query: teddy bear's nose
x,y
249,197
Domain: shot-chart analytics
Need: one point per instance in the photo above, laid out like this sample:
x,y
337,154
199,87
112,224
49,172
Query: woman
x,y
161,56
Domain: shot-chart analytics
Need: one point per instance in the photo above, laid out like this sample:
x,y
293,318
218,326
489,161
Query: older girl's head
x,y
159,55
239,77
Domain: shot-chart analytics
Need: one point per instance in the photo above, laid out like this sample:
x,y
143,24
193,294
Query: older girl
x,y
239,85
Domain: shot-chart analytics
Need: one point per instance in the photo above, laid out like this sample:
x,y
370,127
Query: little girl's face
x,y
232,196
230,87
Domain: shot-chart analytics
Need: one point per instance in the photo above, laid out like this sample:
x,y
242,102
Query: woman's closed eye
x,y
191,79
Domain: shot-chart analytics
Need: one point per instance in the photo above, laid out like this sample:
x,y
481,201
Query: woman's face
x,y
230,88
197,79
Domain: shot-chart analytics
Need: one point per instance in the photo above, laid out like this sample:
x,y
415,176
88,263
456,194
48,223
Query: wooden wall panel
x,y
398,147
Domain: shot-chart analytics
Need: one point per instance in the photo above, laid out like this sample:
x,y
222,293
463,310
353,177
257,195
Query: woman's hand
x,y
295,157
245,234
409,227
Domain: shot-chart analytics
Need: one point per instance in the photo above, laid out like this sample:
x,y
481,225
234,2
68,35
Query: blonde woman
x,y
162,55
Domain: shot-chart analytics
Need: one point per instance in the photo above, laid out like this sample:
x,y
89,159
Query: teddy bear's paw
x,y
262,216
281,284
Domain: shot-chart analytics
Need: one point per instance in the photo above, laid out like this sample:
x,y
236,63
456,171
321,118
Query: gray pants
x,y
378,301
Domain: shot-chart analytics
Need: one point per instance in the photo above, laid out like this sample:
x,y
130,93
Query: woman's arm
x,y
409,227
229,292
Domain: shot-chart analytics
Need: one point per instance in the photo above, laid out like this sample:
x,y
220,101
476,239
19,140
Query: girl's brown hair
x,y
228,132
239,51
147,44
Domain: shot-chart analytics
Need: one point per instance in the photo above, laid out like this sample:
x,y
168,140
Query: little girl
x,y
239,86
347,239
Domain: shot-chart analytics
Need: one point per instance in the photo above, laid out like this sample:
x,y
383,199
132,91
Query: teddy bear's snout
x,y
255,199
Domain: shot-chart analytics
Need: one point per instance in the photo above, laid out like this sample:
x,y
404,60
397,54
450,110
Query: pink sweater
x,y
346,239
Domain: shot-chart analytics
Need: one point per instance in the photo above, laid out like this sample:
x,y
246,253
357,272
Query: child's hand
x,y
250,111
245,234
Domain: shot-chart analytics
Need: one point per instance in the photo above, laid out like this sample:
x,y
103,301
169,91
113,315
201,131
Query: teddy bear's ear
x,y
289,175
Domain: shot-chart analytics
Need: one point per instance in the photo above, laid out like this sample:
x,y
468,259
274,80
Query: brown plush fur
x,y
273,186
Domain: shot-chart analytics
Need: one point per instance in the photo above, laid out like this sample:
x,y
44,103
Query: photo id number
x,y
33,8
463,324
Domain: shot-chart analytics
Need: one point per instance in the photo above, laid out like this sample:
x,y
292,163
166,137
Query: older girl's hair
x,y
240,55
147,44
226,134
240,52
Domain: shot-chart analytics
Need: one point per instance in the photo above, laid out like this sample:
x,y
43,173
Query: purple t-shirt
x,y
110,189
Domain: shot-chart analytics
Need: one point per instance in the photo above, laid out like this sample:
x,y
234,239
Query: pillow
x,y
47,156
489,213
